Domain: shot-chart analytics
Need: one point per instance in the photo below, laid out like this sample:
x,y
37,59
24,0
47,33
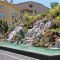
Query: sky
x,y
44,2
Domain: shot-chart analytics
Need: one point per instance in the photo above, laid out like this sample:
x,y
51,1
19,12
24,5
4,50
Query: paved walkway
x,y
4,55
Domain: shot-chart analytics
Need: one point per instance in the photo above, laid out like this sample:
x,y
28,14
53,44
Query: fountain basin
x,y
36,52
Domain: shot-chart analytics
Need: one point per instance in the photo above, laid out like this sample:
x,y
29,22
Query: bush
x,y
30,20
3,26
58,18
54,11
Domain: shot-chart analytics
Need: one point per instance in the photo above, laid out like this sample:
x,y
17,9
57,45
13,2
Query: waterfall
x,y
33,33
47,25
38,28
39,25
14,32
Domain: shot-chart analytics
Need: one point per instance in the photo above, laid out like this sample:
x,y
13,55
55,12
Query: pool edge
x,y
31,54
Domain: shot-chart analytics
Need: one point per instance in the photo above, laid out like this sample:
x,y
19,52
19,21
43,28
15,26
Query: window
x,y
1,15
31,11
35,11
1,6
14,15
21,11
30,6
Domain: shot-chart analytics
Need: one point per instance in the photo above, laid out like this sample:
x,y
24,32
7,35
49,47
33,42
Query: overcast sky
x,y
44,2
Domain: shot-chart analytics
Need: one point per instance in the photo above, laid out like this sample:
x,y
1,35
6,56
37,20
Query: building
x,y
9,12
31,7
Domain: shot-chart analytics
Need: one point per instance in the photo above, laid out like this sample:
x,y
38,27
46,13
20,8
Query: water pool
x,y
39,50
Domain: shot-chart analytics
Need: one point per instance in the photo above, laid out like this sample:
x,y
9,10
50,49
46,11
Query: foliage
x,y
30,20
57,29
54,11
26,19
54,4
3,26
58,18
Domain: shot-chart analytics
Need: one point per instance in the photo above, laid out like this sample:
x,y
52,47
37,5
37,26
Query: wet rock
x,y
57,44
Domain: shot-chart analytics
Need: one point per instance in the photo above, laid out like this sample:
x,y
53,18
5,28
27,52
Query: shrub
x,y
58,18
54,11
3,26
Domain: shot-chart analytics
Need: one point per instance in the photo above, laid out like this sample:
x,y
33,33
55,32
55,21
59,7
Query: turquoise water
x,y
38,50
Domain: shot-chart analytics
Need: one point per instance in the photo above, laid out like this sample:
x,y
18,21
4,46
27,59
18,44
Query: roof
x,y
20,5
7,3
31,2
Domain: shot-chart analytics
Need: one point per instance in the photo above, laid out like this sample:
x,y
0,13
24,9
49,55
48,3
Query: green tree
x,y
54,4
54,11
3,26
27,20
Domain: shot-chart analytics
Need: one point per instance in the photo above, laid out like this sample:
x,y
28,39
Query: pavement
x,y
5,55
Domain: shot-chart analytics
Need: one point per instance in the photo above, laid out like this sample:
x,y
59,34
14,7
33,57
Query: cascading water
x,y
14,32
39,25
47,25
31,31
38,28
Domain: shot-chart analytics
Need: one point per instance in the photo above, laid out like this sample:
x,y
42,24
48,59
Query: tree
x,y
20,36
54,4
55,11
3,26
27,20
